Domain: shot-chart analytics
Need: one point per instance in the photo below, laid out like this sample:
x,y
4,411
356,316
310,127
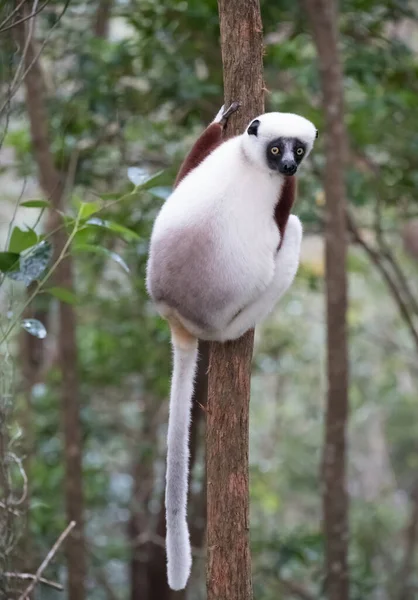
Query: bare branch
x,y
47,560
18,461
377,259
25,576
35,11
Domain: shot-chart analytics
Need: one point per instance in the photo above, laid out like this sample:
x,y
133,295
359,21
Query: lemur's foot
x,y
229,111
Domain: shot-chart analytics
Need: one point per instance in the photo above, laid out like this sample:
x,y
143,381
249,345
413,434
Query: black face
x,y
285,155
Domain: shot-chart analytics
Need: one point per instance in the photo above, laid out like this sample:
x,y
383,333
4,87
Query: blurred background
x,y
99,102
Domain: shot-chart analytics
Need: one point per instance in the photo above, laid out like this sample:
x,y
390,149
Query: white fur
x,y
213,252
179,557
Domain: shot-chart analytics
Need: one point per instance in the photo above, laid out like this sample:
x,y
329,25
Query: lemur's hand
x,y
223,115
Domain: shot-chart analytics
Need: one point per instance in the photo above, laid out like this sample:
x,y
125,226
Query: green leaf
x,y
21,240
34,327
103,251
36,204
86,209
8,261
124,232
160,179
62,294
33,263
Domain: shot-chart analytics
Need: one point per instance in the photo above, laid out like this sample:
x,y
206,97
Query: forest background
x,y
99,102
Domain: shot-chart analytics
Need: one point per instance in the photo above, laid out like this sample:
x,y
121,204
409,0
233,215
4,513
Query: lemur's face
x,y
279,141
285,155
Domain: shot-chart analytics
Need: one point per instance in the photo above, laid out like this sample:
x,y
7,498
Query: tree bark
x,y
102,18
50,181
411,539
227,428
324,23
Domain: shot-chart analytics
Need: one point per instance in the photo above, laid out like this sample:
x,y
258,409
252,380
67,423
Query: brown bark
x,y
32,356
229,560
50,182
411,540
324,23
103,14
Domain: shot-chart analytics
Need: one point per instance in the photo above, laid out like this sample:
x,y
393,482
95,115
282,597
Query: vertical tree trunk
x,y
102,18
229,561
324,22
50,182
411,538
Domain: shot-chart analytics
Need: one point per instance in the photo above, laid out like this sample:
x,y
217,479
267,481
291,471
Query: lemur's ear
x,y
253,128
316,133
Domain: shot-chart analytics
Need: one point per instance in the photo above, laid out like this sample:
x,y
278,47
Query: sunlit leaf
x,y
103,251
162,192
33,263
124,232
143,181
36,204
159,179
21,240
62,294
34,327
137,176
8,260
86,209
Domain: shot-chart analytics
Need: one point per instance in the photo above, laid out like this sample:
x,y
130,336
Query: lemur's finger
x,y
229,111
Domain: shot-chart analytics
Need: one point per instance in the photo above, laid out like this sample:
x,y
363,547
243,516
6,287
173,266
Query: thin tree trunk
x,y
324,22
229,561
51,184
32,356
411,540
102,18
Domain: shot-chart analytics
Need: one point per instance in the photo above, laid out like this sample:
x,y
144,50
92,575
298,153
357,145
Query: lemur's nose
x,y
289,167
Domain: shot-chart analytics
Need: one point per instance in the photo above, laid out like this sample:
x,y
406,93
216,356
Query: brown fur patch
x,y
285,204
210,139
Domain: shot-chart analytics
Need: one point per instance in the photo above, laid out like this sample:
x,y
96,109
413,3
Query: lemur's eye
x,y
275,150
299,151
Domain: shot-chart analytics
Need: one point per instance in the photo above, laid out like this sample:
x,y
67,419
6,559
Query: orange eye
x,y
275,150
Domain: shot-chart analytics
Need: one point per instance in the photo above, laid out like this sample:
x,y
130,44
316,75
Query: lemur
x,y
224,248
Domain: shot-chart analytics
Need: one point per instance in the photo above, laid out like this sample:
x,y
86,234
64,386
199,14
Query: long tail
x,y
179,556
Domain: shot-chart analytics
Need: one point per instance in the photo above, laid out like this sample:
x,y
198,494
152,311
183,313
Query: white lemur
x,y
223,250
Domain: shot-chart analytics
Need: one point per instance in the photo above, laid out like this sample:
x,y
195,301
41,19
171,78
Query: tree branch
x,y
378,261
47,560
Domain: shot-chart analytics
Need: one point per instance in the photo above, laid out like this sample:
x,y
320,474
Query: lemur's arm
x,y
285,204
210,139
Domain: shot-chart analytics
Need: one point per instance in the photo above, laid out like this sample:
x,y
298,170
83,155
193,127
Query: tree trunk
x,y
102,18
229,561
324,22
51,184
411,538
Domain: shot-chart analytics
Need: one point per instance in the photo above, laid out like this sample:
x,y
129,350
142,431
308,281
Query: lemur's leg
x,y
287,262
285,204
210,139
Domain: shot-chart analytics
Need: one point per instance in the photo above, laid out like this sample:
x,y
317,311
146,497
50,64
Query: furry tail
x,y
179,556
